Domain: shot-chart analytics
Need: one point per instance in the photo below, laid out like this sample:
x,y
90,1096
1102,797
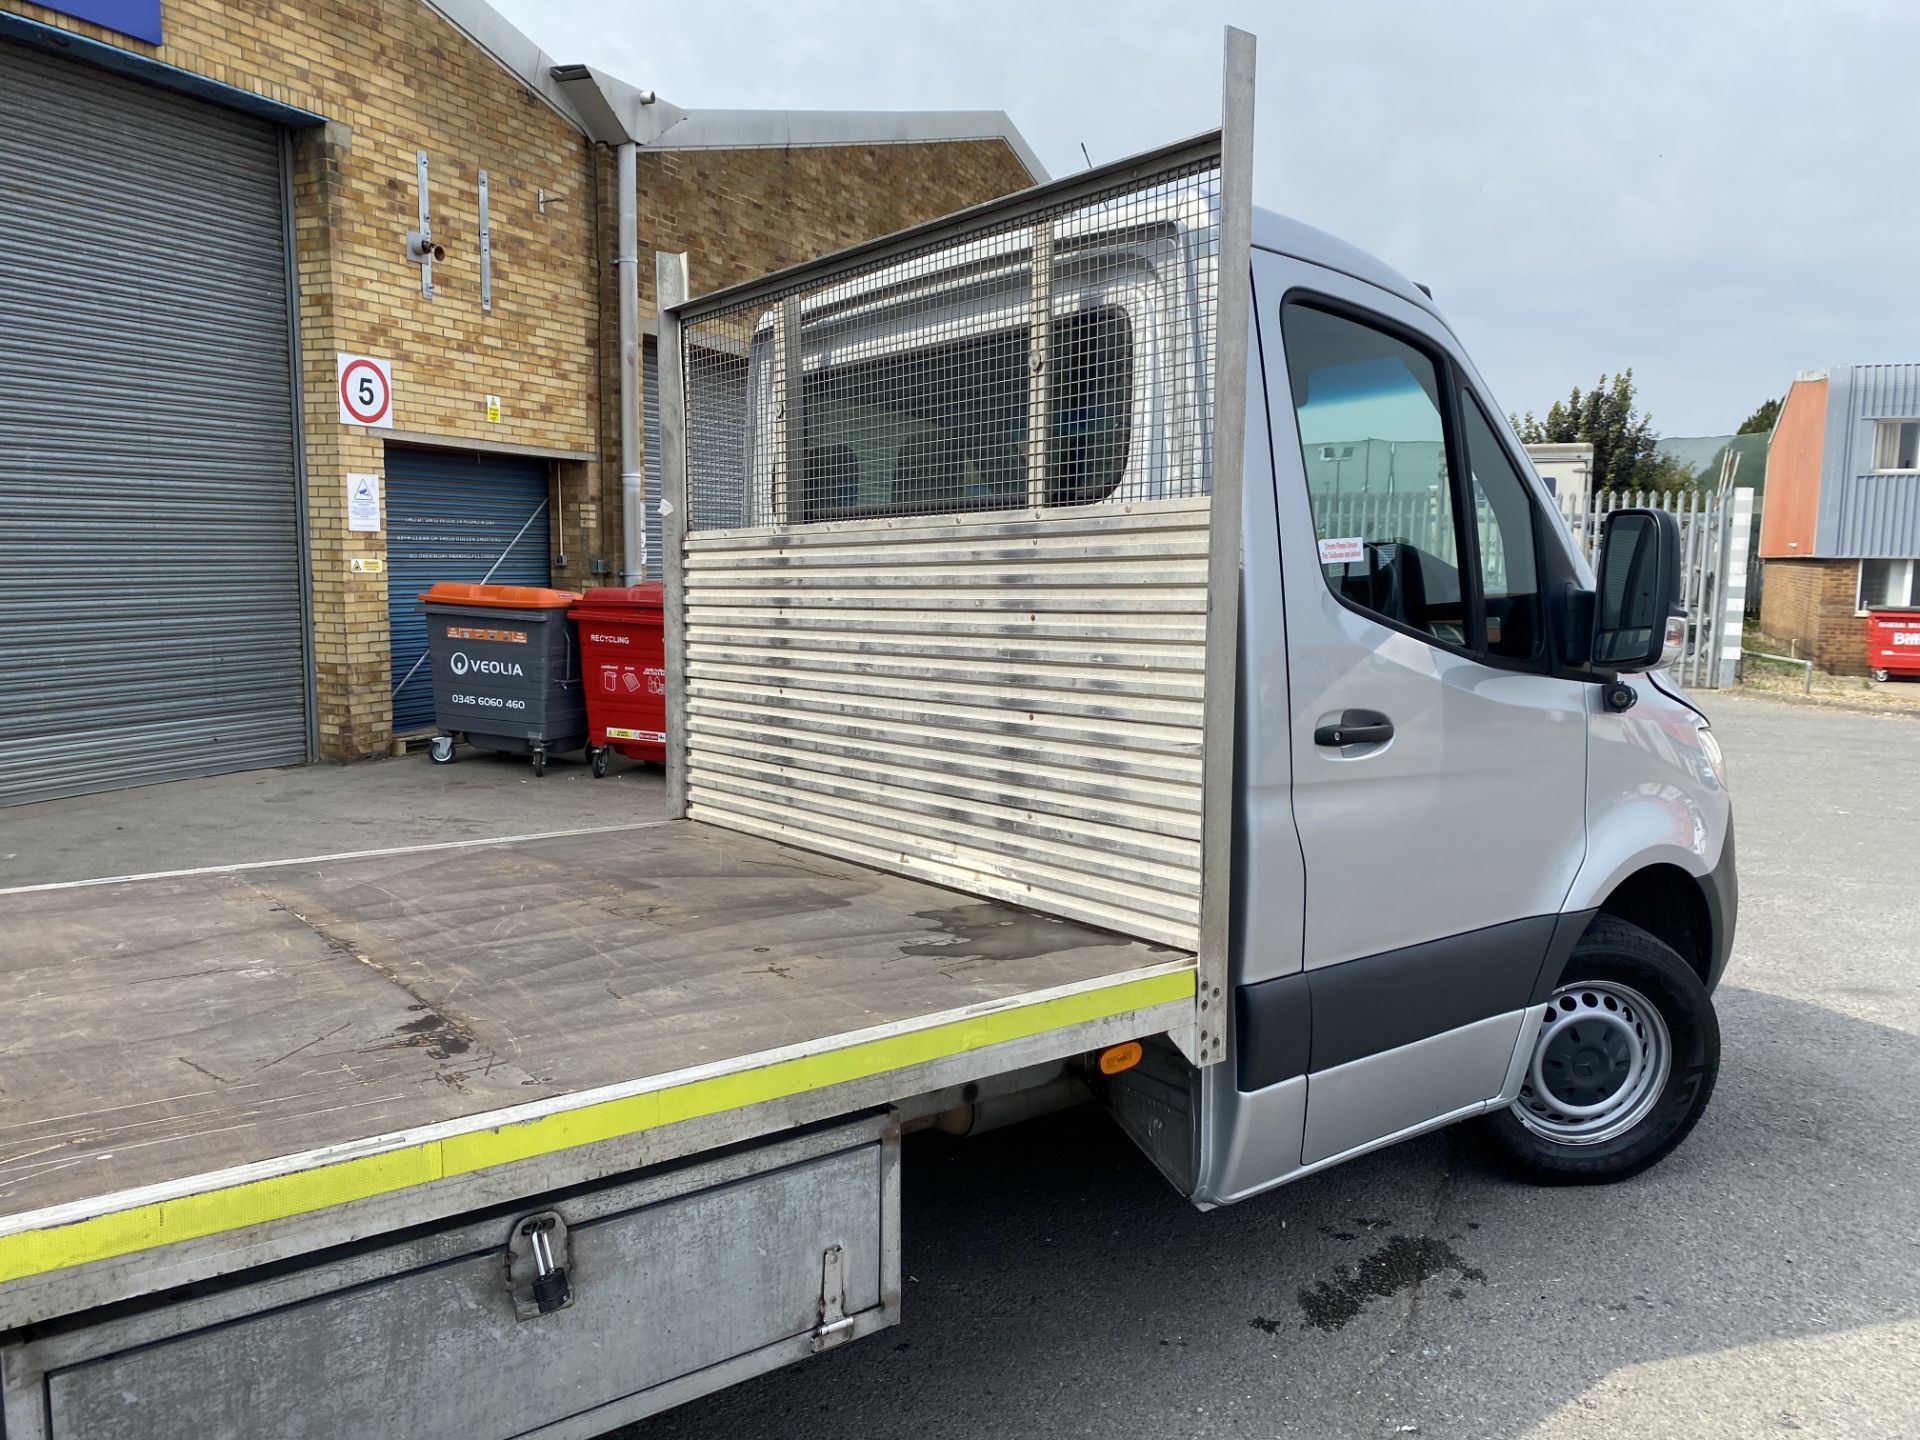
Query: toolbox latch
x,y
835,1324
538,1273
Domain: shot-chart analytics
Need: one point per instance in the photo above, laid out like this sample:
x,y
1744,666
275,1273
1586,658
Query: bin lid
x,y
650,596
499,597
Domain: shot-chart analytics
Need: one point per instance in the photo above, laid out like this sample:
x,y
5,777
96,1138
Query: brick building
x,y
204,207
1840,533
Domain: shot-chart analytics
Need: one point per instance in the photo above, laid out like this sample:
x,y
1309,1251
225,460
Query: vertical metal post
x,y
633,499
670,291
1233,321
790,436
1040,364
1733,580
486,249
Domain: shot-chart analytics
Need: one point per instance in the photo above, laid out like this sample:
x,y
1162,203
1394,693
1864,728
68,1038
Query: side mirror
x,y
1637,620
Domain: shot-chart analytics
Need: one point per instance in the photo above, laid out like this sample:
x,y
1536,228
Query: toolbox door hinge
x,y
835,1324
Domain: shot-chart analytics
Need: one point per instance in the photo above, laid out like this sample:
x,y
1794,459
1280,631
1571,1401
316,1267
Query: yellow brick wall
x,y
393,77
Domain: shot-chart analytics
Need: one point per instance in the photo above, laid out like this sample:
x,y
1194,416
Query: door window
x,y
1503,542
1369,407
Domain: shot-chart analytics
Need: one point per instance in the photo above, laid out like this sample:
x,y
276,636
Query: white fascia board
x,y
783,129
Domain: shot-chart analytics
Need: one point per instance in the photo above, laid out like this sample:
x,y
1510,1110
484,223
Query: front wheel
x,y
1881,675
441,750
1622,1065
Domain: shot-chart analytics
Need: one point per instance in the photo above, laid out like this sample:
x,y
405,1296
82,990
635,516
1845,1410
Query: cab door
x,y
1439,759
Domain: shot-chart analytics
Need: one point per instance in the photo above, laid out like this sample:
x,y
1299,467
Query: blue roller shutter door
x,y
454,517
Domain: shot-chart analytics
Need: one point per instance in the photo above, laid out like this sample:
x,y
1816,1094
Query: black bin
x,y
506,670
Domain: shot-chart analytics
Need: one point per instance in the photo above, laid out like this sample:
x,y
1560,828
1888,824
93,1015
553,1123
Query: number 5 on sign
x,y
366,391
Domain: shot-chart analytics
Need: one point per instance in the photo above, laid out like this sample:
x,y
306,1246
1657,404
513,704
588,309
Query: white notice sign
x,y
1348,550
363,502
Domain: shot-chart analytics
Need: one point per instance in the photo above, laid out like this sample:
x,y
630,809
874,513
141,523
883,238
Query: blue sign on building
x,y
138,18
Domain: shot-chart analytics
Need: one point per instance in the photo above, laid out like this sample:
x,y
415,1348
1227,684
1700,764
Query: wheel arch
x,y
1669,904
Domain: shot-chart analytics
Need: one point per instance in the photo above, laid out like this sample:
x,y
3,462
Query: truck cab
x,y
1443,818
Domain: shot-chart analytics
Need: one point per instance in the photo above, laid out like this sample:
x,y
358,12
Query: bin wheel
x,y
539,763
600,759
441,751
1881,675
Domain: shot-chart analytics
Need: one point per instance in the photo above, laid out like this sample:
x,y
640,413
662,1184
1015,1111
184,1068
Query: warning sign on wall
x,y
366,391
363,502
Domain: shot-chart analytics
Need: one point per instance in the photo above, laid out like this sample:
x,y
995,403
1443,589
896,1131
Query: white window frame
x,y
1881,429
1860,580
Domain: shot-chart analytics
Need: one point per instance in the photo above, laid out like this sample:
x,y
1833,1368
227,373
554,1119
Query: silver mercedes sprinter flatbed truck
x,y
1116,647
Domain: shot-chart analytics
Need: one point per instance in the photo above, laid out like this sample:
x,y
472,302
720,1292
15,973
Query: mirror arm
x,y
1578,613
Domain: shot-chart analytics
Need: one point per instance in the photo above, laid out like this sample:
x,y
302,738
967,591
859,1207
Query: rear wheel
x,y
539,763
1621,1067
600,758
1881,675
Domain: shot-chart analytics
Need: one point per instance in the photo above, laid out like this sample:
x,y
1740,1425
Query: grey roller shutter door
x,y
650,464
151,616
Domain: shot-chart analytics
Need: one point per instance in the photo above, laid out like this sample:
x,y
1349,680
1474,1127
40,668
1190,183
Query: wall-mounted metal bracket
x,y
486,249
424,245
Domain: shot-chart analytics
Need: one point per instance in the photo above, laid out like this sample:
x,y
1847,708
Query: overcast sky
x,y
1716,194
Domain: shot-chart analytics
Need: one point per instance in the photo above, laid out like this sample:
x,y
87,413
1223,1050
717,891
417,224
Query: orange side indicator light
x,y
1116,1058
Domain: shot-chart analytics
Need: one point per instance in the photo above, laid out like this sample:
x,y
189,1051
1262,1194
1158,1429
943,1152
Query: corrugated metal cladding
x,y
1008,706
650,461
454,517
1877,517
1886,392
151,616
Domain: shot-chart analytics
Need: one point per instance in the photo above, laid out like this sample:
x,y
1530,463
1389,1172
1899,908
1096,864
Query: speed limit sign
x,y
366,391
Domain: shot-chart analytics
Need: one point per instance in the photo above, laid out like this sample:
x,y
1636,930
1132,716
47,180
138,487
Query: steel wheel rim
x,y
1600,1062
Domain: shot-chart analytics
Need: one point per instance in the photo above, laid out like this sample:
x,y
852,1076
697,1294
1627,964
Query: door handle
x,y
1356,727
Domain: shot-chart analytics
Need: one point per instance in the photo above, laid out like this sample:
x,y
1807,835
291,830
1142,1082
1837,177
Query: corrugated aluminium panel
x,y
1010,706
151,575
453,516
1877,516
1886,392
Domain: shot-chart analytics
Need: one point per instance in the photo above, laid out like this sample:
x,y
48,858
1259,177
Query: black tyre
x,y
539,763
1621,1068
600,759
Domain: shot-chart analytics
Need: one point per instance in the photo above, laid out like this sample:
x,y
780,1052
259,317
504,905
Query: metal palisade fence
x,y
1715,532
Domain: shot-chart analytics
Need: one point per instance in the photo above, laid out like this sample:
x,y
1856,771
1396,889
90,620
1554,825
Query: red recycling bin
x,y
623,661
1893,643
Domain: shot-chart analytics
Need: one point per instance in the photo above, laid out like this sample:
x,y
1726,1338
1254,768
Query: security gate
x,y
1715,532
152,620
454,517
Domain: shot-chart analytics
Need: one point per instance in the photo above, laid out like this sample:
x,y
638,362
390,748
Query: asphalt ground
x,y
1765,1279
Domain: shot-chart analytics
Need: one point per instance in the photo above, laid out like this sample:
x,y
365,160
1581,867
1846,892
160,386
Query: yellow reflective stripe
x,y
255,1202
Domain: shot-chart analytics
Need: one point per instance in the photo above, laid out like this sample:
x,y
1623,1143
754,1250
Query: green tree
x,y
1760,422
1605,417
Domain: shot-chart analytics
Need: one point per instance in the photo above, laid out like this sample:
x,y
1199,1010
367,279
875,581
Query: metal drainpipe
x,y
633,523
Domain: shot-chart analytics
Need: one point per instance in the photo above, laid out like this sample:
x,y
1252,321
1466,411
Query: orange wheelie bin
x,y
622,651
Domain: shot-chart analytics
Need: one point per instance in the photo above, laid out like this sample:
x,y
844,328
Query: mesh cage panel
x,y
1058,358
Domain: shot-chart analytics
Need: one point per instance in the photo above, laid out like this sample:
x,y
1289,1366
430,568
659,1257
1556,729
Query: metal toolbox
x,y
565,1319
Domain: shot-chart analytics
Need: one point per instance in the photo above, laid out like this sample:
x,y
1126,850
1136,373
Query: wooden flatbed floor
x,y
168,1036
